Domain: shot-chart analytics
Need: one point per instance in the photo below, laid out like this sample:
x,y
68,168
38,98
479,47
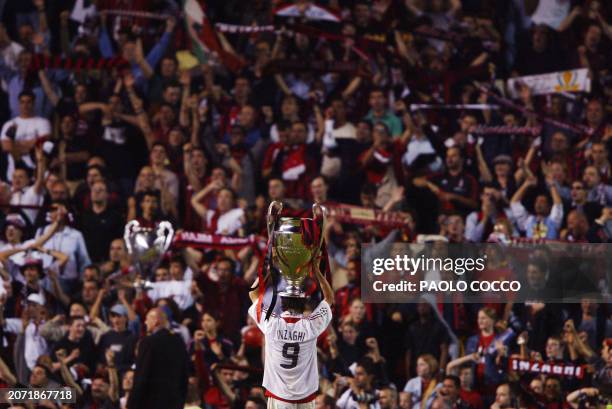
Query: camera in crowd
x,y
590,401
365,397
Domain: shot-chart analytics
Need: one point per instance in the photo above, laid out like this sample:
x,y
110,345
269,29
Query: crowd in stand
x,y
207,145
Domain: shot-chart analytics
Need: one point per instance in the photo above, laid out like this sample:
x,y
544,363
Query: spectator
x,y
25,194
20,135
448,393
503,397
121,339
455,189
227,296
78,344
597,191
377,162
546,221
215,347
362,389
422,388
34,345
579,202
227,219
297,163
351,291
379,113
486,346
101,224
161,360
426,336
69,241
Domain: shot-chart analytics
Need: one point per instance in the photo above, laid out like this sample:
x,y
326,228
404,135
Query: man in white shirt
x,y
20,134
167,287
23,194
9,50
69,241
226,219
34,345
338,127
16,250
360,393
291,376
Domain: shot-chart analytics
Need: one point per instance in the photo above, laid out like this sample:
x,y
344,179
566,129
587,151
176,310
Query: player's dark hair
x,y
294,305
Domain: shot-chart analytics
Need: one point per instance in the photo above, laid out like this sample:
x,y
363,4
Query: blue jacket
x,y
493,374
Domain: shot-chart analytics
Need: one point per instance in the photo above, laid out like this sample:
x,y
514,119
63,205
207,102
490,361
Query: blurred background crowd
x,y
425,112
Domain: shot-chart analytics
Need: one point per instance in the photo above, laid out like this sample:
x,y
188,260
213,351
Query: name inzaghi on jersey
x,y
287,335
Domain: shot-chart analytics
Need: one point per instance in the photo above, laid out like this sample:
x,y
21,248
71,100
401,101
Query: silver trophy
x,y
146,246
292,255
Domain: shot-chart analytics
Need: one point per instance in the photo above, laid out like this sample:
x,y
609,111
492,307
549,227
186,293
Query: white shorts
x,y
279,404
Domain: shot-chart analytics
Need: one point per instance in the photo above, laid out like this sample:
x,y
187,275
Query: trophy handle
x,y
318,210
131,225
165,231
321,209
272,214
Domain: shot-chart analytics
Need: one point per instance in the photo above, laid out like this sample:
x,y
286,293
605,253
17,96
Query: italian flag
x,y
204,39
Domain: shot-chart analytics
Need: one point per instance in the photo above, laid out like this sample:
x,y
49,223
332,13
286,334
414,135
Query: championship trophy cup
x,y
296,243
146,247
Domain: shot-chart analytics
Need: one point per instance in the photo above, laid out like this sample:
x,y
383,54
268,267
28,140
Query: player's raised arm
x,y
328,293
254,295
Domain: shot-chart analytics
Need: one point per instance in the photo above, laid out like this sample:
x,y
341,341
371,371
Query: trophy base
x,y
292,294
293,290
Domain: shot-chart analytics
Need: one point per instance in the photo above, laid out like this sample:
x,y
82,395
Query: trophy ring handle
x,y
129,227
321,210
318,210
274,210
165,231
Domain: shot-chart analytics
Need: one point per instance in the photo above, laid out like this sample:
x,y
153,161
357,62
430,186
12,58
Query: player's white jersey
x,y
290,369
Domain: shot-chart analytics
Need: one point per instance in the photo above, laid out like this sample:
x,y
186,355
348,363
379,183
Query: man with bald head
x,y
160,380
